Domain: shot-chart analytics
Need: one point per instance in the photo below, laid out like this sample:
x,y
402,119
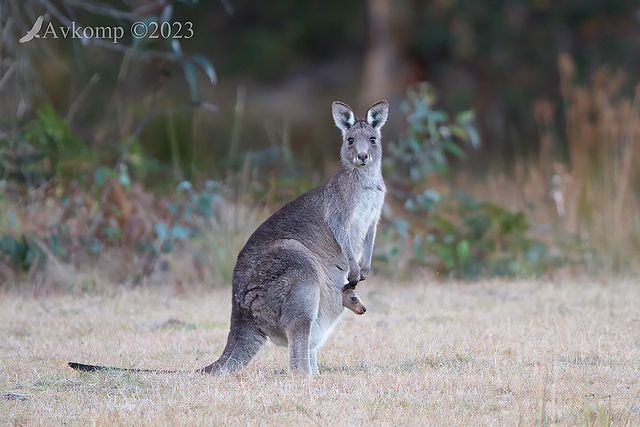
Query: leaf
x,y
459,132
166,14
34,255
421,111
13,220
474,137
111,232
414,173
124,177
409,205
102,174
432,128
12,248
465,116
432,195
438,116
454,149
446,255
405,107
191,75
479,224
207,67
161,230
492,210
462,251
536,253
444,131
184,186
176,48
211,184
418,249
179,232
95,246
172,208
414,145
402,227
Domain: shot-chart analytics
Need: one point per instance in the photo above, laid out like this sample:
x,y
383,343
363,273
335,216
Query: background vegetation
x,y
509,151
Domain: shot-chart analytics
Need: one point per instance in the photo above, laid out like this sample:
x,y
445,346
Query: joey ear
x,y
377,114
342,116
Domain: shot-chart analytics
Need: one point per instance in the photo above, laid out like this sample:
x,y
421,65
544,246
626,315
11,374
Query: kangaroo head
x,y
352,301
361,141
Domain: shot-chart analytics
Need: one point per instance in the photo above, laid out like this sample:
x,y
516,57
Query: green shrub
x,y
462,237
430,137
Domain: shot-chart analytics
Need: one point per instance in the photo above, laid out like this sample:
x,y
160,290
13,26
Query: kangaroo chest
x,y
366,212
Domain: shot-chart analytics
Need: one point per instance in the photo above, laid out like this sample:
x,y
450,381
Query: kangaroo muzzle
x,y
362,159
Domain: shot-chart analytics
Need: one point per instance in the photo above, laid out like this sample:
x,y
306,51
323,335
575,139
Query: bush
x,y
431,136
453,234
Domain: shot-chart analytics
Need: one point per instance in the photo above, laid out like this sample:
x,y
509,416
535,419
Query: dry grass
x,y
492,353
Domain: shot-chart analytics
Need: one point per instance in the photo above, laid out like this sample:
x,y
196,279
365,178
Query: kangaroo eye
x,y
354,299
350,140
372,139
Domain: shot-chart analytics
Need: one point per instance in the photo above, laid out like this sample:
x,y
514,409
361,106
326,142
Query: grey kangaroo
x,y
289,277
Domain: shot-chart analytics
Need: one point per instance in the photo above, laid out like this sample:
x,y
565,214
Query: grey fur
x,y
289,277
352,301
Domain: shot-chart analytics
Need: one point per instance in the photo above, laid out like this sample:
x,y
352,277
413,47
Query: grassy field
x,y
491,353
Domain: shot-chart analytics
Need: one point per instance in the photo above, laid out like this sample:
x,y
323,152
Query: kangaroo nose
x,y
363,157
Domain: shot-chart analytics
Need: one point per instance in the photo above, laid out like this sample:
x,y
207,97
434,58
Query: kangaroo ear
x,y
342,116
377,114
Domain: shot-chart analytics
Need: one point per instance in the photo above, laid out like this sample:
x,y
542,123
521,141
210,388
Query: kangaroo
x,y
289,277
352,301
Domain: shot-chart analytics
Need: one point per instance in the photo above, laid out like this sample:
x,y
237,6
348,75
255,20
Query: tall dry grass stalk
x,y
595,193
593,196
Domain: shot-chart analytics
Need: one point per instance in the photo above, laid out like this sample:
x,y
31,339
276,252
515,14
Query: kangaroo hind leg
x,y
300,311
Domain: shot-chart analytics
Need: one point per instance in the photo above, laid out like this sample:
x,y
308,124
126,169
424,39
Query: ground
x,y
562,352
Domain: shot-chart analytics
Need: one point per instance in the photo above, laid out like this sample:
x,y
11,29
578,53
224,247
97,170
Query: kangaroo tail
x,y
96,368
242,345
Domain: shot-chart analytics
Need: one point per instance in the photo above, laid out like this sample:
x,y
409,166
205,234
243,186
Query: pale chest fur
x,y
366,212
